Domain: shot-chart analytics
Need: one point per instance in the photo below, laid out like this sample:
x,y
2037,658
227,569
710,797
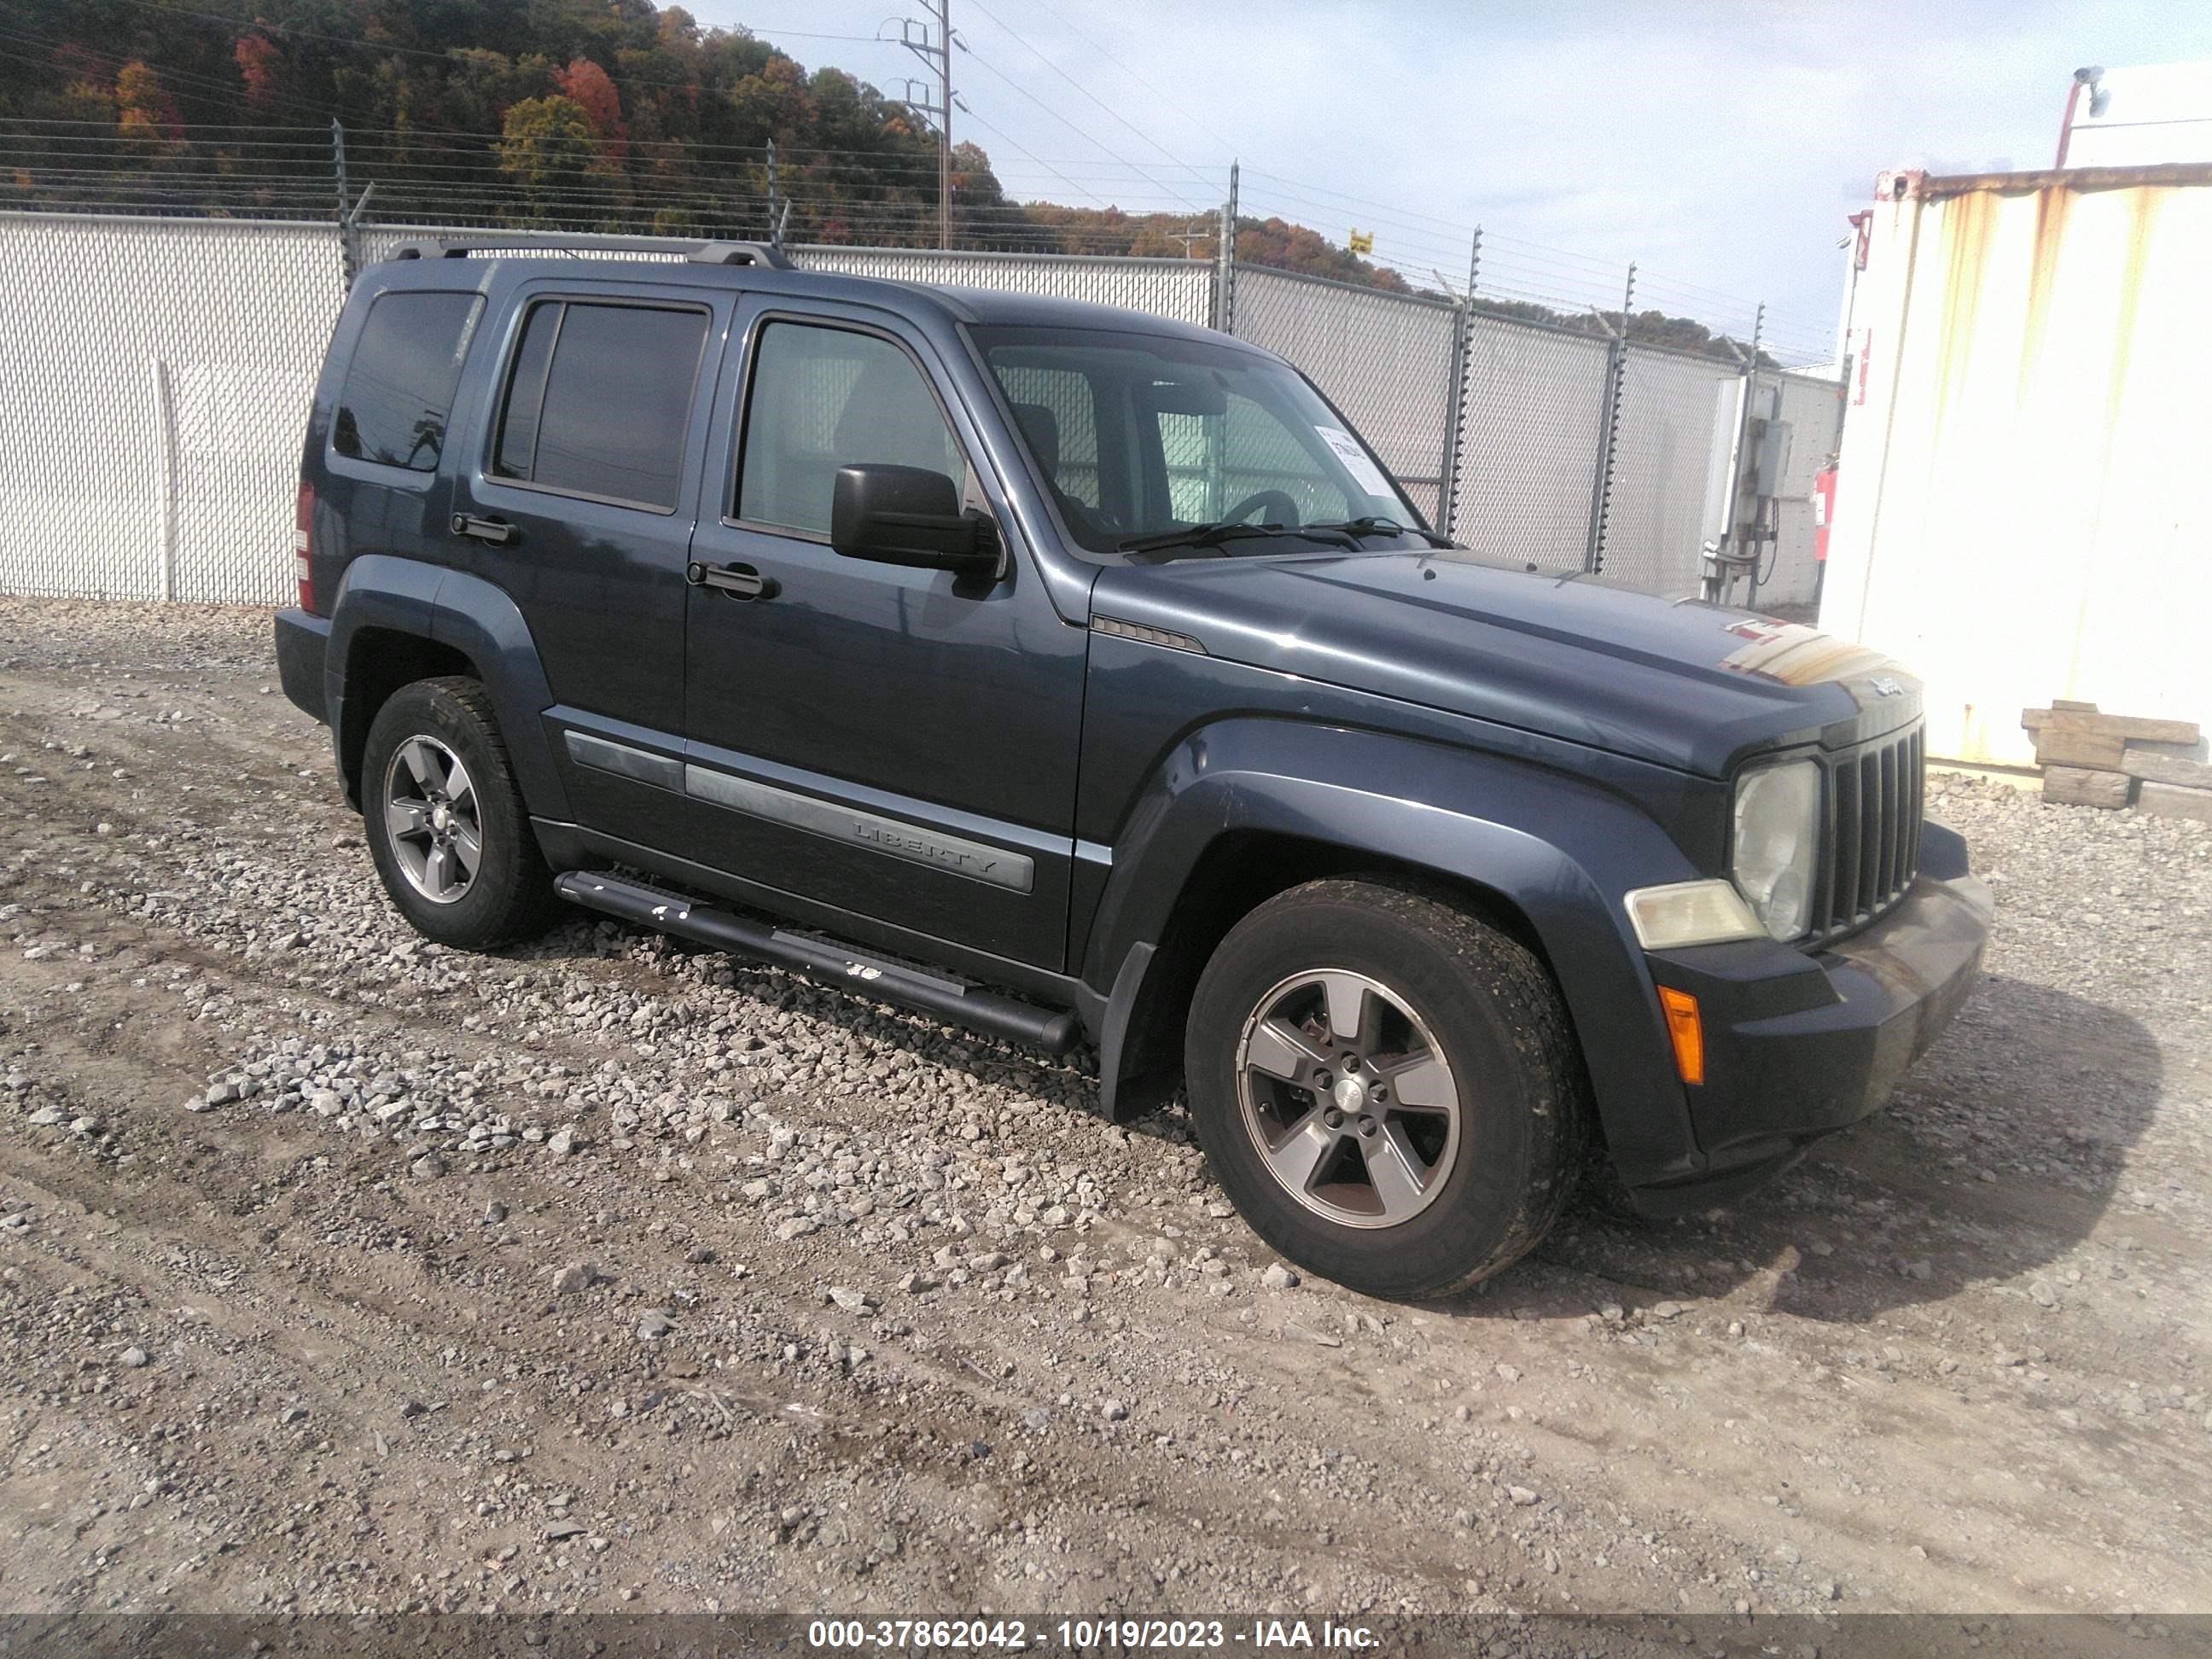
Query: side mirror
x,y
908,515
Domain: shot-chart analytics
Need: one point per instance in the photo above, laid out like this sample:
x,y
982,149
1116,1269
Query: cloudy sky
x,y
1720,145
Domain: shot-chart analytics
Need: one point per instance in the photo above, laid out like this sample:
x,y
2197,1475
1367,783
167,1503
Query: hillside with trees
x,y
563,114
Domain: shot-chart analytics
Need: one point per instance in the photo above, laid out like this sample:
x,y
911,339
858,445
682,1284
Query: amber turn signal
x,y
1685,1032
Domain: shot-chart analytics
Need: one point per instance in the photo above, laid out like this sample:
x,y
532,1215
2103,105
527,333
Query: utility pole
x,y
936,54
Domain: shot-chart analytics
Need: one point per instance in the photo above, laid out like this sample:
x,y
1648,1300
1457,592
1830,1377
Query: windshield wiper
x,y
1214,534
1375,526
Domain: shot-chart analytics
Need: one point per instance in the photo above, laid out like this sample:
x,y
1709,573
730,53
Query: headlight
x,y
1778,838
1690,913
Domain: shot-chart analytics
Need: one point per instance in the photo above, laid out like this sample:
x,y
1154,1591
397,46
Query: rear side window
x,y
398,388
599,399
827,398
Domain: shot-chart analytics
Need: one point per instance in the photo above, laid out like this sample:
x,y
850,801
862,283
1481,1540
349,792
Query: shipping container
x,y
2022,502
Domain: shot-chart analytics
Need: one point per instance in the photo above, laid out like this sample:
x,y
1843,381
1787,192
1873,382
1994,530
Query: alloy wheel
x,y
1348,1097
433,820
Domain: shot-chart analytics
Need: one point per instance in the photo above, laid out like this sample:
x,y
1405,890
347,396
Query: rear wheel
x,y
445,821
1388,1089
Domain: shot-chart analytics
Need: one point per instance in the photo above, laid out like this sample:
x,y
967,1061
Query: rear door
x,y
581,505
897,744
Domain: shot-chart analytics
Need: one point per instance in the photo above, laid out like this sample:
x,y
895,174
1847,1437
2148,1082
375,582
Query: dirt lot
x,y
340,1272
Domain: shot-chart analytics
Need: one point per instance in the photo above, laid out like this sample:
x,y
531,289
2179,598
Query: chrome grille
x,y
1871,843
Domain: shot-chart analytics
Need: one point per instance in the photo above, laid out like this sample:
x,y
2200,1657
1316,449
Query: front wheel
x,y
445,820
1388,1089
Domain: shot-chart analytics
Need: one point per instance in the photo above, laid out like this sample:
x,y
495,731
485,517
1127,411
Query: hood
x,y
1693,686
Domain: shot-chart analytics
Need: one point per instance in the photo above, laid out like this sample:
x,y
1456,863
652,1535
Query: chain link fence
x,y
1382,358
1529,443
1180,290
156,374
154,379
1677,419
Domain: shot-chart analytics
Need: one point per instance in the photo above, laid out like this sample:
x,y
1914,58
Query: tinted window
x,y
827,398
599,399
399,387
518,425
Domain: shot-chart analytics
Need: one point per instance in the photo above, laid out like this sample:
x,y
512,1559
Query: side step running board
x,y
983,1011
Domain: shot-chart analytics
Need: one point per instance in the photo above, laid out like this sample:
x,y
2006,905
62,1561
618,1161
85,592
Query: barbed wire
x,y
436,175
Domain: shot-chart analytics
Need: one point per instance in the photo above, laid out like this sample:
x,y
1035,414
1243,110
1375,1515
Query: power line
x,y
1519,266
1009,29
1047,166
1088,137
1227,148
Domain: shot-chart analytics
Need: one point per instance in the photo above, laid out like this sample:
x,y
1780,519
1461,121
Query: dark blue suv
x,y
1068,673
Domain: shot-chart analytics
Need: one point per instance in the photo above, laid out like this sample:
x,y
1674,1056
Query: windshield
x,y
1142,436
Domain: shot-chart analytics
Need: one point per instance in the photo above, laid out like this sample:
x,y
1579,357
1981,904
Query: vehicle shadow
x,y
1072,1078
1998,1156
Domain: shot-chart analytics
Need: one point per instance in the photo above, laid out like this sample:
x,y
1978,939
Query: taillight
x,y
303,536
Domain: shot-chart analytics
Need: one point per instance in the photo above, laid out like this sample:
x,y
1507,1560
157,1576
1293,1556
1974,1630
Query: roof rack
x,y
704,253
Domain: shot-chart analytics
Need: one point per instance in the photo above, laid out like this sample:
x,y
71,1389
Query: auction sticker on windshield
x,y
1364,473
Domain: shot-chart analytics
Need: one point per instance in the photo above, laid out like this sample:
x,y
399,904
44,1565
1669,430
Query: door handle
x,y
498,531
740,581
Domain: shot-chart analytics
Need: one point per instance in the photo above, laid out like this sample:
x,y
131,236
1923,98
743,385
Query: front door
x,y
581,507
894,743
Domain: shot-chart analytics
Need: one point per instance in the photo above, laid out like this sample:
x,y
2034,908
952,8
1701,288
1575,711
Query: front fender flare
x,y
1559,849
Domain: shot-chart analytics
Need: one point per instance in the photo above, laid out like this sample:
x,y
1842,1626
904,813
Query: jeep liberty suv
x,y
1069,674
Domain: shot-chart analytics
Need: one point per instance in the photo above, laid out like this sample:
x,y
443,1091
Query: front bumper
x,y
1799,1044
303,645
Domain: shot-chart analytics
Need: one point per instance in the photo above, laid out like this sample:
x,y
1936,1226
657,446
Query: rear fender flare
x,y
479,620
472,616
377,593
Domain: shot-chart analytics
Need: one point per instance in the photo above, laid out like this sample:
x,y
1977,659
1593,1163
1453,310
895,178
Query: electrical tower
x,y
936,54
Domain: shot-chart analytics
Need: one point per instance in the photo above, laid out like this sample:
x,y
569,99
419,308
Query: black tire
x,y
510,895
1491,1008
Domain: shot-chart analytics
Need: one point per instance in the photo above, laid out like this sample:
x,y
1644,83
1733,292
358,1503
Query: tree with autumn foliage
x,y
551,149
580,114
587,85
144,112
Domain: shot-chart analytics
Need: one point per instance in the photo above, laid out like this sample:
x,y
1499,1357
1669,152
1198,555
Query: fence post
x,y
165,422
1616,366
1731,533
349,252
1224,262
1456,405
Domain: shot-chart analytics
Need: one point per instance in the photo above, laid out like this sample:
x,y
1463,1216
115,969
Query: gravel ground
x,y
341,1272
